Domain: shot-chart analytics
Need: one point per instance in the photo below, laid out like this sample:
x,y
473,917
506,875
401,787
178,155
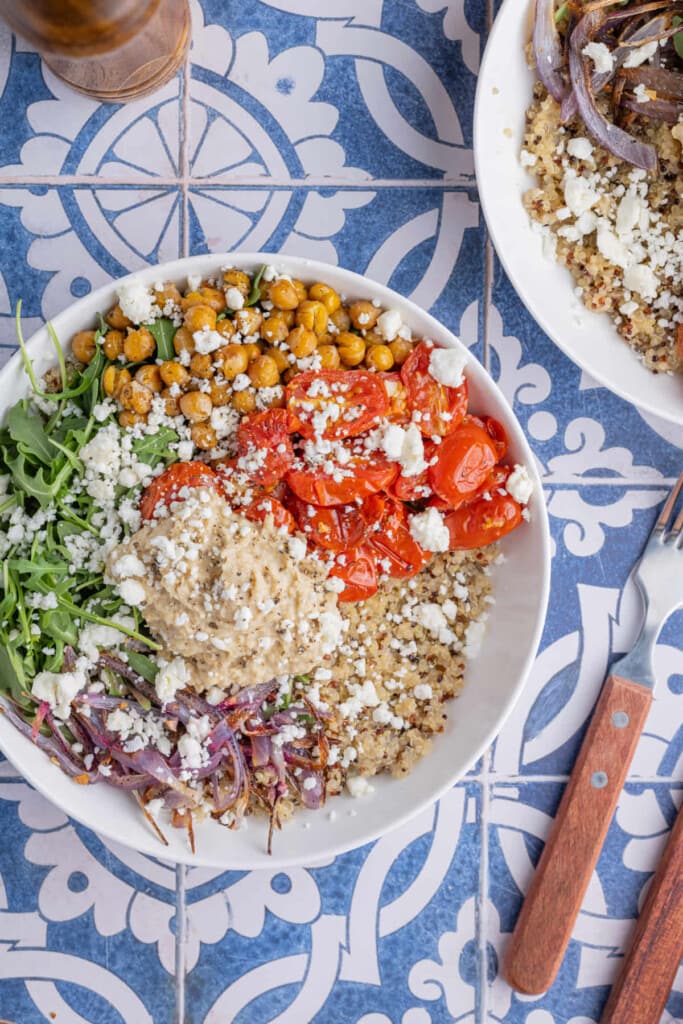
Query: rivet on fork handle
x,y
558,887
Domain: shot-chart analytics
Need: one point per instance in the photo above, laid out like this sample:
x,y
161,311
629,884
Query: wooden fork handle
x,y
557,889
642,989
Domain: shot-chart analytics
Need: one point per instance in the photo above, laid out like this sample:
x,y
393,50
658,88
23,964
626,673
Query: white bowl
x,y
546,288
493,683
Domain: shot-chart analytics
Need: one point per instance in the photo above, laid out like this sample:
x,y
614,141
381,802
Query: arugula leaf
x,y
102,325
60,626
32,481
255,293
678,38
143,665
10,680
154,448
163,331
28,432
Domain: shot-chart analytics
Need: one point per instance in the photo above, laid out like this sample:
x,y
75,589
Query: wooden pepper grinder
x,y
113,50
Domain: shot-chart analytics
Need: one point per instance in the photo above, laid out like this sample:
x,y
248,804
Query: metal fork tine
x,y
668,508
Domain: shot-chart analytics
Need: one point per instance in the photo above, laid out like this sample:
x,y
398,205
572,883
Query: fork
x,y
545,923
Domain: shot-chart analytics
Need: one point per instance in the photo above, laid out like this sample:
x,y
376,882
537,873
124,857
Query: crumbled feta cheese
x,y
128,565
206,341
639,54
430,616
359,786
191,752
527,159
474,635
519,484
580,148
422,691
331,627
389,324
132,592
642,280
611,247
59,689
137,302
405,447
578,195
170,678
429,530
602,57
234,298
447,365
297,548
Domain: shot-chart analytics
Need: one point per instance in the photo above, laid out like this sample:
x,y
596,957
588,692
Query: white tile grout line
x,y
184,158
180,942
482,916
224,181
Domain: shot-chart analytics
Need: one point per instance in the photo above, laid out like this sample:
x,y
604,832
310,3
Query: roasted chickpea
x,y
379,357
200,318
243,401
116,318
237,279
351,349
202,366
171,406
130,419
328,296
283,294
301,342
113,380
313,316
329,357
214,298
301,289
203,435
364,315
248,321
235,360
139,345
253,350
136,397
274,328
150,376
220,393
226,328
290,374
167,293
112,346
400,350
196,406
263,372
83,346
289,317
172,372
341,319
279,357
183,341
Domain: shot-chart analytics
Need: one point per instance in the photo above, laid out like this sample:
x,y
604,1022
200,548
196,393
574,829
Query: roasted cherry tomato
x,y
357,568
398,553
335,529
265,506
360,476
334,404
415,488
440,409
482,522
397,393
264,446
464,460
493,483
169,487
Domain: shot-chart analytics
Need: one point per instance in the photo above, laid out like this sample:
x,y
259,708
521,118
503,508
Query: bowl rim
x,y
515,268
182,267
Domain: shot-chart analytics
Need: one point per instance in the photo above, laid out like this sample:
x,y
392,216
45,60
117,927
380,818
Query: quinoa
x,y
392,667
651,325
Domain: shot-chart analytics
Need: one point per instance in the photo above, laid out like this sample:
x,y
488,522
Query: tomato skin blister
x,y
350,391
482,522
165,489
436,409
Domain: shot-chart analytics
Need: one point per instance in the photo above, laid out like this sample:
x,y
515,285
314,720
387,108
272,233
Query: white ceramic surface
x,y
494,680
546,288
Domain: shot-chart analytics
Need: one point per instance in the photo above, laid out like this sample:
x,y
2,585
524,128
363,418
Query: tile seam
x,y
180,943
482,895
68,180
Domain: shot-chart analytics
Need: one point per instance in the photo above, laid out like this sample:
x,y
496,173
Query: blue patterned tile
x,y
86,927
370,932
520,818
365,90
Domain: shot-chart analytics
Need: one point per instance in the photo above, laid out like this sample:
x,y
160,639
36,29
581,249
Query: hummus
x,y
239,601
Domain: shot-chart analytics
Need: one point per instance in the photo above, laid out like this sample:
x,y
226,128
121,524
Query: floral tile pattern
x,y
341,131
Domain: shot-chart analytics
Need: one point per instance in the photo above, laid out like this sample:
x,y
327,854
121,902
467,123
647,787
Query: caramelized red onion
x,y
548,52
